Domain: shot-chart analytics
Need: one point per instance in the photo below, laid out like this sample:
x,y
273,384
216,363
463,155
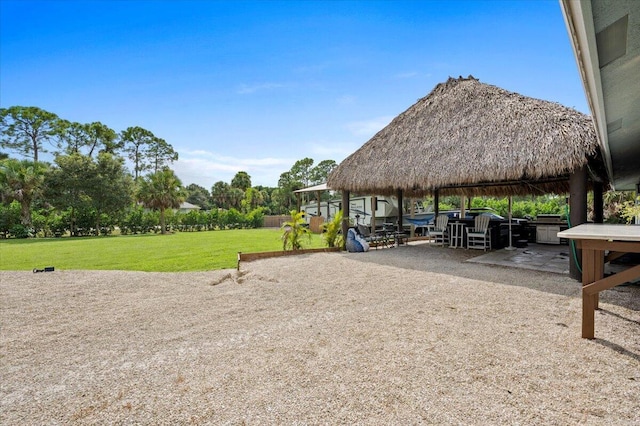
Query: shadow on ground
x,y
463,263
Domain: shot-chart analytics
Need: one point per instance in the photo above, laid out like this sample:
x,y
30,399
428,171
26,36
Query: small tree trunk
x,y
162,227
25,213
73,222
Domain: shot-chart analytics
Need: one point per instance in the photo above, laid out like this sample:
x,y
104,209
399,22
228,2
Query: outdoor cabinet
x,y
547,234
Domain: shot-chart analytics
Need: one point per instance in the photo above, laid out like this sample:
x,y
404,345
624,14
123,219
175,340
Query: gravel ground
x,y
409,335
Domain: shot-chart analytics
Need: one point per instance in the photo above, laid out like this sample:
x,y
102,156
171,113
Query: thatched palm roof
x,y
472,138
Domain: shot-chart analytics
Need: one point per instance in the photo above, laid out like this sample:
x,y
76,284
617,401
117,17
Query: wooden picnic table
x,y
594,239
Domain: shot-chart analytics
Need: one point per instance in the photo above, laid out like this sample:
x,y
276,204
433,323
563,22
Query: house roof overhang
x,y
605,35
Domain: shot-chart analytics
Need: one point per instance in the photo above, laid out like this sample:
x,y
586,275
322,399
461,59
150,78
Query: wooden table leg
x,y
589,270
598,273
588,316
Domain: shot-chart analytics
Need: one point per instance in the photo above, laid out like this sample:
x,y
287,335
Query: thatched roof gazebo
x,y
471,138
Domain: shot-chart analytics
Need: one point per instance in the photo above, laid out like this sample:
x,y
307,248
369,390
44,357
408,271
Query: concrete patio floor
x,y
539,257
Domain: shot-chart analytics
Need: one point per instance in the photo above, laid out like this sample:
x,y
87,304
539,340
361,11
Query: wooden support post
x,y
318,200
598,202
578,213
400,210
412,210
436,202
374,207
345,218
329,208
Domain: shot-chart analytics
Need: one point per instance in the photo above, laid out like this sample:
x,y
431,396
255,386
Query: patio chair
x,y
439,231
375,239
479,237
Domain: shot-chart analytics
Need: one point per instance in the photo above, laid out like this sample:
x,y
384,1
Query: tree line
x,y
88,190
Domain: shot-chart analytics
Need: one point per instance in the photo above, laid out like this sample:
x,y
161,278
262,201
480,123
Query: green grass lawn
x,y
182,251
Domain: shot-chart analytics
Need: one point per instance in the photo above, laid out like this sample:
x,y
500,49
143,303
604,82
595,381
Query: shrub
x,y
332,231
255,218
235,219
631,210
212,220
294,231
19,231
9,217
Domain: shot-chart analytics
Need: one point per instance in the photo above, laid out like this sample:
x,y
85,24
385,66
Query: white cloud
x,y
246,89
314,68
347,100
240,162
334,151
368,128
409,74
206,168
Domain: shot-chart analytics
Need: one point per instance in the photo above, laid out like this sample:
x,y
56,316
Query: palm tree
x,y
241,180
21,181
220,194
160,191
294,230
235,197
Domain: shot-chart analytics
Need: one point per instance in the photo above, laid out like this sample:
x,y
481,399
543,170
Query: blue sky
x,y
255,86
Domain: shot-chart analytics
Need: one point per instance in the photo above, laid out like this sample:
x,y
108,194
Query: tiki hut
x,y
470,138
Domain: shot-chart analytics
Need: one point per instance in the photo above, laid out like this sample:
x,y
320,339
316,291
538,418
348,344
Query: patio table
x,y
594,239
456,234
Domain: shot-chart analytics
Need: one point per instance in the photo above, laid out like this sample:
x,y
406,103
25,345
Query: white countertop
x,y
602,231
